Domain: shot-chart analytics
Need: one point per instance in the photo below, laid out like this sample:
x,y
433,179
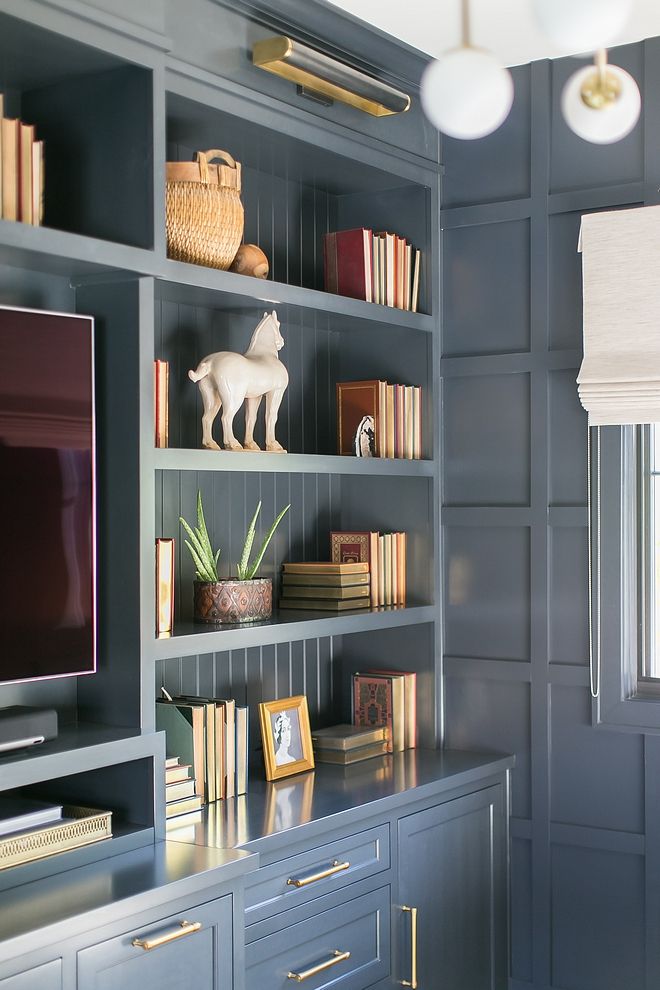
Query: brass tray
x,y
89,826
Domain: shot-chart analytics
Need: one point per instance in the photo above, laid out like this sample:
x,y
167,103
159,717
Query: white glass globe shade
x,y
466,93
582,25
612,122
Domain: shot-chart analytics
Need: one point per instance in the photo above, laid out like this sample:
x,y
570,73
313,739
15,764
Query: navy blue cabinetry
x,y
192,948
451,886
46,977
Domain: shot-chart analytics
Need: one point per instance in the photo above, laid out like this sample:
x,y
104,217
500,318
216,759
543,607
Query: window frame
x,y
624,699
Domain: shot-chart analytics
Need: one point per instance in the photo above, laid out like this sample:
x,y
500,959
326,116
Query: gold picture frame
x,y
286,737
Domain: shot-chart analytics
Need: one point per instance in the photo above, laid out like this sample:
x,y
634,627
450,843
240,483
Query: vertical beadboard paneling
x,y
260,674
229,502
306,423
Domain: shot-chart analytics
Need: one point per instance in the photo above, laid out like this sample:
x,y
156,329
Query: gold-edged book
x,y
325,580
78,827
164,586
325,604
174,774
183,806
301,591
344,737
325,567
346,757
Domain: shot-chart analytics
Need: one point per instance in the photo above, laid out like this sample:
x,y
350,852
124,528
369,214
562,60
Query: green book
x,y
183,726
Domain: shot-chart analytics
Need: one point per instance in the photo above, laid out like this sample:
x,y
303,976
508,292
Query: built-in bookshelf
x,y
102,251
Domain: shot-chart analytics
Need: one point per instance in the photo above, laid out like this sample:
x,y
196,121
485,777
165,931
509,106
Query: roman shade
x,y
619,380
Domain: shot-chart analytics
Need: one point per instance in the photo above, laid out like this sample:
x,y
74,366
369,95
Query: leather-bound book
x,y
355,400
347,263
379,699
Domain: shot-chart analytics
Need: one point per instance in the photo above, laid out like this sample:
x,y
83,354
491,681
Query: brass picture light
x,y
321,76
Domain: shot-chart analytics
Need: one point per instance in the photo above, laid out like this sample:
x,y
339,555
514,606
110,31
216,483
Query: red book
x,y
410,701
347,263
379,700
350,548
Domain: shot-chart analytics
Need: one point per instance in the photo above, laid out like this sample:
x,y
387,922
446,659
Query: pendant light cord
x,y
594,656
465,24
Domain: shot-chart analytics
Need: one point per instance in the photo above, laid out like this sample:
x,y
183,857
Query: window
x,y
625,566
648,460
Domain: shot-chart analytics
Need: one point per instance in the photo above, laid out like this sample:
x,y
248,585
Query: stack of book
x,y
32,829
387,698
346,744
384,554
21,171
396,411
326,586
211,736
180,797
381,268
161,402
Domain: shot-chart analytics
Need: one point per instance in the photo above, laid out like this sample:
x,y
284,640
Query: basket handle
x,y
205,157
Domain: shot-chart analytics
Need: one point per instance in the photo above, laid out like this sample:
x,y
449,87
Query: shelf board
x,y
77,749
173,459
288,625
125,838
198,285
58,252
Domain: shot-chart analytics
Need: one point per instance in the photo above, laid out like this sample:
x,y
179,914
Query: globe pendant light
x,y
582,25
601,104
466,93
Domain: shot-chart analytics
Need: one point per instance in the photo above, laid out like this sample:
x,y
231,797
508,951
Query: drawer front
x,y
347,948
46,977
301,878
166,955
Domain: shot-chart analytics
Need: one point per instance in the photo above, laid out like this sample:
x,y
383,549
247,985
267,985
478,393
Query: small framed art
x,y
286,737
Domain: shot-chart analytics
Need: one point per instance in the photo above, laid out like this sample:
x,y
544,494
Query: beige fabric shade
x,y
619,380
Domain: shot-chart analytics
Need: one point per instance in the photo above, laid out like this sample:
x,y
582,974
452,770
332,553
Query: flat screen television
x,y
47,495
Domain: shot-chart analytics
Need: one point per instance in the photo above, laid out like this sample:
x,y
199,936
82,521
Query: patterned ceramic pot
x,y
233,601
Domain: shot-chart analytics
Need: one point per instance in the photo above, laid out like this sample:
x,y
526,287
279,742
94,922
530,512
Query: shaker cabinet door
x,y
46,977
191,951
450,917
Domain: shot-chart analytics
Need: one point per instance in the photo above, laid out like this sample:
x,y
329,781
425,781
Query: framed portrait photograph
x,y
286,737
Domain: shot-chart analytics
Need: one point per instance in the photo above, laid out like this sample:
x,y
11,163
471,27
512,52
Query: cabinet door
x,y
177,953
452,870
46,977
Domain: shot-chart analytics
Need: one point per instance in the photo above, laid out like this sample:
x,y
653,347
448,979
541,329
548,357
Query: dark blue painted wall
x,y
586,801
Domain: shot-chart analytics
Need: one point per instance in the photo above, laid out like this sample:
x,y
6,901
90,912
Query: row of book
x,y
21,171
209,735
396,411
377,267
384,554
387,698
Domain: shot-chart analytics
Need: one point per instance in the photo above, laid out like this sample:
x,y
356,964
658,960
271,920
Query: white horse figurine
x,y
227,379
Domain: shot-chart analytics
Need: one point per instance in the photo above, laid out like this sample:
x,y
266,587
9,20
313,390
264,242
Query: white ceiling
x,y
506,27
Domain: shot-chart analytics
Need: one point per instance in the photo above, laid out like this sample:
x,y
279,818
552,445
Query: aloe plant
x,y
244,568
205,561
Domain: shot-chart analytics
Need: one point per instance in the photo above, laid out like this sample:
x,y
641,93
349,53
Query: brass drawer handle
x,y
336,867
336,957
185,928
412,982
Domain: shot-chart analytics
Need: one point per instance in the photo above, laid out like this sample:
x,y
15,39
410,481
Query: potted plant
x,y
241,599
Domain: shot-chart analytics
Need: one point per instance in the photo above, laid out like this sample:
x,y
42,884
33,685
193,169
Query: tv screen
x,y
47,497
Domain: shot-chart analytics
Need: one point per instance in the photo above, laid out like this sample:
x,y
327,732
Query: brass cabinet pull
x,y
185,928
412,982
335,958
336,867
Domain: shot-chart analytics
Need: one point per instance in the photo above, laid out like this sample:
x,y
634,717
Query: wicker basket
x,y
204,213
